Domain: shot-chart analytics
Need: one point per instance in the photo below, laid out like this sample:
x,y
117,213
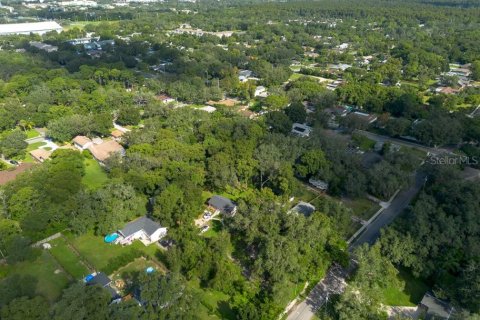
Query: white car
x,y
204,229
207,216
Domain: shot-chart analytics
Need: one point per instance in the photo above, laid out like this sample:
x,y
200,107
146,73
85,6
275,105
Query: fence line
x,y
52,237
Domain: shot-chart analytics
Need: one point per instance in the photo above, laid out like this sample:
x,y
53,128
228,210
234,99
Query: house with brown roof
x,y
225,102
165,98
40,155
82,142
102,151
10,174
99,148
117,135
447,90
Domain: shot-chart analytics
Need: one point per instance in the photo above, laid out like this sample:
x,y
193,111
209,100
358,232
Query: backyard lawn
x,y
94,176
214,304
363,142
35,145
411,295
32,133
303,193
362,208
215,228
98,253
68,259
50,284
140,265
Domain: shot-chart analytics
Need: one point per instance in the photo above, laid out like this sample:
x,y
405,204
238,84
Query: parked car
x,y
207,216
204,229
14,162
167,243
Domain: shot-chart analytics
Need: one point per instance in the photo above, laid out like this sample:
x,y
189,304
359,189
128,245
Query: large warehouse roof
x,y
30,27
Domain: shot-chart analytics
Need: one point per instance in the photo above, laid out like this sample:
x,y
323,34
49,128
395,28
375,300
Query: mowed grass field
x,y
68,259
409,296
98,253
213,305
362,207
51,279
95,176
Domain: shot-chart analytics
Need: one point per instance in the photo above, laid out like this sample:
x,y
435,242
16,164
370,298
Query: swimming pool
x,y
111,237
149,270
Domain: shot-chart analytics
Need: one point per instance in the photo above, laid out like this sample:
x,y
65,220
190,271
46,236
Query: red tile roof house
x,y
100,149
40,155
164,98
447,90
82,142
117,135
10,175
105,149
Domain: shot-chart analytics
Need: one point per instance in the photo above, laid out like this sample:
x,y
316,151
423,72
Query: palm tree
x,y
23,124
26,125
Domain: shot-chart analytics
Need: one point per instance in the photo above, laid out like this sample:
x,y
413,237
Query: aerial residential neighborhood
x,y
240,160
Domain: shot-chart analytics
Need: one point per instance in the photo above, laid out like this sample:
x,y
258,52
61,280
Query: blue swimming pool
x,y
111,237
149,270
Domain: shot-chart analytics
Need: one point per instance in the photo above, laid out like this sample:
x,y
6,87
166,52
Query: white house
x,y
301,130
319,184
261,91
208,109
82,142
143,229
244,75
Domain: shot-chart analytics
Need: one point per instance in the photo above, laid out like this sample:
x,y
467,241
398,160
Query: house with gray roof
x,y
143,229
303,208
433,308
100,279
222,205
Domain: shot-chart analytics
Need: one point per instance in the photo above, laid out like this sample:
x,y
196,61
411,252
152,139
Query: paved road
x,y
401,201
380,138
334,281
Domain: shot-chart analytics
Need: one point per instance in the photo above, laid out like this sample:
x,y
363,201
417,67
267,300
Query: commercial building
x,y
29,27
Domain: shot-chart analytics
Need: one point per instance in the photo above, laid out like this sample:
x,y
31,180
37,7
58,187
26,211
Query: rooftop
x,y
81,140
40,154
221,203
225,102
117,133
104,150
26,28
147,225
101,279
435,308
303,208
10,175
